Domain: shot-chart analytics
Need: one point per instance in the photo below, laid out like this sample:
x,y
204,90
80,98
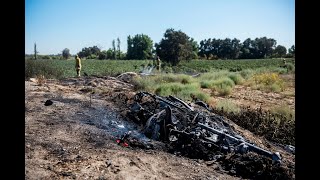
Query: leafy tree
x,y
118,46
66,53
35,51
139,47
174,47
87,52
103,55
110,53
280,51
265,47
292,50
114,49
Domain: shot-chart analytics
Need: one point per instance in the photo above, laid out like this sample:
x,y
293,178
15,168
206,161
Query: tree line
x,y
177,45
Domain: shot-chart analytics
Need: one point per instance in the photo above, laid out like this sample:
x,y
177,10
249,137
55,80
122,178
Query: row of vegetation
x,y
63,69
177,46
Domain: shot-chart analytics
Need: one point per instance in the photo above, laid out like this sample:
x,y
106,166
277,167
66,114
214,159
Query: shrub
x,y
268,82
224,90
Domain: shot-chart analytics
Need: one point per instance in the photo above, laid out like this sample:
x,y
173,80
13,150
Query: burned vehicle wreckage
x,y
192,131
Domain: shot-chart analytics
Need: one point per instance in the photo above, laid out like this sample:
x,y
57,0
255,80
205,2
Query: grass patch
x,y
42,68
227,106
236,78
182,91
283,110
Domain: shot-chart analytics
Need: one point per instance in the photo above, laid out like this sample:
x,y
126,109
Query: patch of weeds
x,y
227,106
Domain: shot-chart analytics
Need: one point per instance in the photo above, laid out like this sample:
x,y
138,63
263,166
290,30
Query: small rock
x,y
48,103
109,162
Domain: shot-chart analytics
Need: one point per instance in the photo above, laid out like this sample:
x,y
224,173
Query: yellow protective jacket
x,y
78,63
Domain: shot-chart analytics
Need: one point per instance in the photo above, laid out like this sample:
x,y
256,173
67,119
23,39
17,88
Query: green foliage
x,y
236,78
139,47
182,91
283,110
280,51
205,83
103,55
209,65
292,50
175,46
218,68
290,67
246,73
46,57
86,52
227,106
168,78
46,68
66,53
92,56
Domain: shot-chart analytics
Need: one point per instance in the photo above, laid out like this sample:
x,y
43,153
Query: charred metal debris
x,y
192,131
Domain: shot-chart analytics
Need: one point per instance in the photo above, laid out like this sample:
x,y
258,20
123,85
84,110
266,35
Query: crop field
x,y
65,68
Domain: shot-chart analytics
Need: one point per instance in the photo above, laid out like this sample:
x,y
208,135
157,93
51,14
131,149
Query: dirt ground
x,y
247,96
75,137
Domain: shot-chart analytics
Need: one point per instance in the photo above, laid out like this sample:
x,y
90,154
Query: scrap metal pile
x,y
193,131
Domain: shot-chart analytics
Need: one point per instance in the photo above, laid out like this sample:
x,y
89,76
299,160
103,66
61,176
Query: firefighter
x,y
158,63
78,65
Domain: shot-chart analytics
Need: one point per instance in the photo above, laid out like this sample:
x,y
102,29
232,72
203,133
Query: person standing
x,y
158,63
78,65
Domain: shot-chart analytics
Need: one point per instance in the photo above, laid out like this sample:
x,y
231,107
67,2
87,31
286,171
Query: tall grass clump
x,y
169,78
247,73
227,106
290,67
42,68
223,86
236,78
177,89
144,84
283,110
213,75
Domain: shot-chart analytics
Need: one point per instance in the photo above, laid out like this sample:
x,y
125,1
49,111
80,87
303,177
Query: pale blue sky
x,y
74,24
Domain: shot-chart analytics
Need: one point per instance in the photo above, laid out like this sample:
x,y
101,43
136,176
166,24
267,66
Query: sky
x,y
74,24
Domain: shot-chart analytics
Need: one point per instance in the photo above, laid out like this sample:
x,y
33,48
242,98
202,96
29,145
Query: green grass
x,y
115,67
227,106
283,110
